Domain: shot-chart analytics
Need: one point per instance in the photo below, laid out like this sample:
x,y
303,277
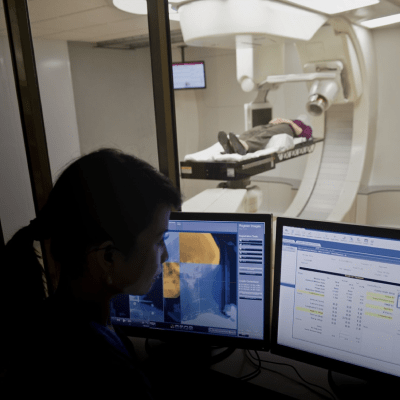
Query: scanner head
x,y
322,94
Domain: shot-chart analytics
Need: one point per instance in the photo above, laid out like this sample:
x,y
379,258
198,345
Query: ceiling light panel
x,y
140,7
333,6
383,21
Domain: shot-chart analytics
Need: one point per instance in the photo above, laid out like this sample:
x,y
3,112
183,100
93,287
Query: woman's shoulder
x,y
57,346
60,349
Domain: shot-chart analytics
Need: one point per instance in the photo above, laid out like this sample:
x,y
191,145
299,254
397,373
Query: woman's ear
x,y
104,260
104,254
108,254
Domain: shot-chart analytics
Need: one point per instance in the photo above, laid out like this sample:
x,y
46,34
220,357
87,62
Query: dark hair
x,y
105,195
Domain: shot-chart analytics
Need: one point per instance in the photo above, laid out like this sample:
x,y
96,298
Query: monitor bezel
x,y
191,62
341,367
206,340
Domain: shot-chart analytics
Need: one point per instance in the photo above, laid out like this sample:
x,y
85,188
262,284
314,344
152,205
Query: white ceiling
x,y
98,20
83,20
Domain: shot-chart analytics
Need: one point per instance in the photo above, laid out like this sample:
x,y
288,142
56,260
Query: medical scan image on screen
x,y
211,283
340,297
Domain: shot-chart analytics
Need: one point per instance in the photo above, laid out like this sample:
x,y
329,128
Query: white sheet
x,y
277,144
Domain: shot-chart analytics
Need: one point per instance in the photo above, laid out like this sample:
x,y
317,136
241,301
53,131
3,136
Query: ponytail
x,y
22,273
22,291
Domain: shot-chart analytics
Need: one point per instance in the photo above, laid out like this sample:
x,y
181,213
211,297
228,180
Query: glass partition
x,y
222,105
95,79
94,73
16,200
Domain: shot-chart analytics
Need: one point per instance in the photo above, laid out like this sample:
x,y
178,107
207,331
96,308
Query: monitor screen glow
x,y
214,288
337,297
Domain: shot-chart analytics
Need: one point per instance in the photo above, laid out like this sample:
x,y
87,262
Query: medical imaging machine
x,y
338,67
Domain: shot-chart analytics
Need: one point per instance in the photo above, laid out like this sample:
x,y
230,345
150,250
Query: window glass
x,y
94,71
201,113
16,201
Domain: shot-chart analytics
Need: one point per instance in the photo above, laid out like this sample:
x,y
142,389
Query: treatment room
x,y
108,76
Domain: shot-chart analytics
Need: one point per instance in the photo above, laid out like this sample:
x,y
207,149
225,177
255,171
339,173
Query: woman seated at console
x,y
258,137
105,220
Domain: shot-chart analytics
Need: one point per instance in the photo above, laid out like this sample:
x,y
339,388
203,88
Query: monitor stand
x,y
346,388
190,356
185,369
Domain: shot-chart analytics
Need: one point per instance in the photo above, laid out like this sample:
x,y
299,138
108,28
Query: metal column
x,y
27,88
164,102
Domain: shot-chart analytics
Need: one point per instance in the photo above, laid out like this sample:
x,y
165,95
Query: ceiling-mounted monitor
x,y
189,75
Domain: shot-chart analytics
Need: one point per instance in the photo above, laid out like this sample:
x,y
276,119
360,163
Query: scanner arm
x,y
327,85
274,81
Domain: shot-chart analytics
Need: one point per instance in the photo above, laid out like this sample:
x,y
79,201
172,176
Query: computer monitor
x,y
336,300
214,289
189,75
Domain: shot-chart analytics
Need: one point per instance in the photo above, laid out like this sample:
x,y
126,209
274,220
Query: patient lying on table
x,y
277,136
258,137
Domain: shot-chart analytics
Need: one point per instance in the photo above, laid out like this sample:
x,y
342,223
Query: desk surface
x,y
279,382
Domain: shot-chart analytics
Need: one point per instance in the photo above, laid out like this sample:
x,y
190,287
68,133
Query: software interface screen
x,y
340,297
189,75
212,282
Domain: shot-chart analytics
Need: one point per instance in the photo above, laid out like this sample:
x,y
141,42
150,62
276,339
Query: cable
x,y
255,373
259,367
291,366
332,384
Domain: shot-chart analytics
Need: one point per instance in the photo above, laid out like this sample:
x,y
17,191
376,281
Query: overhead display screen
x,y
189,75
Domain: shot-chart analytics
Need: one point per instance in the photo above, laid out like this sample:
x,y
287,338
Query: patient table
x,y
235,193
211,164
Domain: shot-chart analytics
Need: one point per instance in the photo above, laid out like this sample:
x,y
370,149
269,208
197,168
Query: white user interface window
x,y
340,297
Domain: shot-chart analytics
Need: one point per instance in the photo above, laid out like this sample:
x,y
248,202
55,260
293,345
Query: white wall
x,y
16,201
52,63
114,99
55,86
383,209
58,105
379,201
386,161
